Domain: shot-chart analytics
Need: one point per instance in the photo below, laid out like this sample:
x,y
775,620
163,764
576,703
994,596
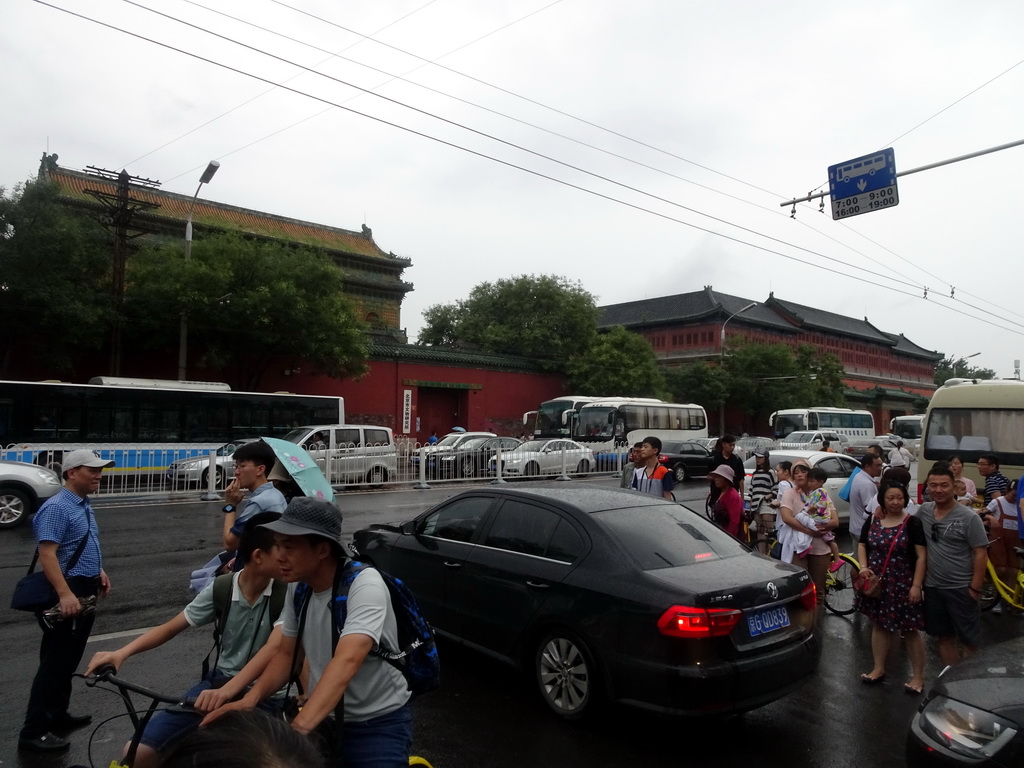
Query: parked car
x,y
544,457
470,457
447,444
974,713
349,453
193,472
23,487
685,459
602,594
811,440
745,446
859,446
838,466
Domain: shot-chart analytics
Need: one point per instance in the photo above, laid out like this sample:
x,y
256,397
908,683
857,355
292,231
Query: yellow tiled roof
x,y
174,207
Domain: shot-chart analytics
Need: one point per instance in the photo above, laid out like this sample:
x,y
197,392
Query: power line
x,y
491,137
263,93
509,164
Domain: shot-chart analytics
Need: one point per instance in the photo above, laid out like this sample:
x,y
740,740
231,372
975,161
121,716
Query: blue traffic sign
x,y
863,184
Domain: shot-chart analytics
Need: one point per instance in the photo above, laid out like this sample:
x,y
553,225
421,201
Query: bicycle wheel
x,y
839,593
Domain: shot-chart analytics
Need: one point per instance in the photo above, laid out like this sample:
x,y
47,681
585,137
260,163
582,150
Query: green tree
x,y
249,303
701,383
618,363
819,378
547,318
950,368
55,279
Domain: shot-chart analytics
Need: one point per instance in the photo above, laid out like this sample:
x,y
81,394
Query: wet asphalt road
x,y
484,714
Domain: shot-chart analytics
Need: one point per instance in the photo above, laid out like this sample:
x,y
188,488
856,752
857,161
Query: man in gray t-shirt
x,y
377,716
864,494
957,556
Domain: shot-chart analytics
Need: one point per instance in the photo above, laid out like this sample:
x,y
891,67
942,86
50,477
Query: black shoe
x,y
68,722
45,743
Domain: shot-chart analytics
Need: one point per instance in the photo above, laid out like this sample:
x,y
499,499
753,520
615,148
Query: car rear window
x,y
665,536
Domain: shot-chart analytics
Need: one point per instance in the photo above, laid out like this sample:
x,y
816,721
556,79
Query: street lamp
x,y
956,363
721,358
211,169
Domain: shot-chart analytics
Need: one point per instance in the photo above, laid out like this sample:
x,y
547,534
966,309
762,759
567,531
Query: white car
x,y
812,439
193,472
838,467
23,487
544,457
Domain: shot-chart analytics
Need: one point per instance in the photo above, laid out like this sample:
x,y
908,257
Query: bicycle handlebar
x,y
105,674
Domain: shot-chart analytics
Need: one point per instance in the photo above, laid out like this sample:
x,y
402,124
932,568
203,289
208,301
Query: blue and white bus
x,y
145,424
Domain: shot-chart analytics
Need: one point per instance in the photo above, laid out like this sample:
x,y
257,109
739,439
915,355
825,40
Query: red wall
x,y
494,401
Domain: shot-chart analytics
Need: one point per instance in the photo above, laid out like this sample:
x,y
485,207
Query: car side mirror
x,y
409,528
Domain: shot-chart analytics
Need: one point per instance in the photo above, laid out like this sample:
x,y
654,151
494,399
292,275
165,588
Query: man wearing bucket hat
x,y
63,523
377,718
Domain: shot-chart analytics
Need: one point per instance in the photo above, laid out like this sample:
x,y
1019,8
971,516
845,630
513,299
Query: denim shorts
x,y
167,726
383,742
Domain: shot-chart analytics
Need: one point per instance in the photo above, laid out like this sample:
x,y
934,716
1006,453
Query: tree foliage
x,y
55,279
248,302
617,363
547,318
951,368
761,378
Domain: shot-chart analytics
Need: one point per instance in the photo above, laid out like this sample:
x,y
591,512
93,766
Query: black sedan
x,y
604,594
686,459
974,713
471,457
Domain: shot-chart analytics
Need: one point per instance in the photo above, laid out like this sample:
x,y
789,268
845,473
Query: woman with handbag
x,y
889,587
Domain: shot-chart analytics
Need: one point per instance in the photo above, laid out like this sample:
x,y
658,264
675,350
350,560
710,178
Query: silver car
x,y
23,487
837,466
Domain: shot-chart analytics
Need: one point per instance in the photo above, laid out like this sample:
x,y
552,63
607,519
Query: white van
x,y
350,454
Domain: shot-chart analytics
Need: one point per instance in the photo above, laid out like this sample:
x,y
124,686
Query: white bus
x,y
969,417
145,424
842,420
604,425
907,427
554,418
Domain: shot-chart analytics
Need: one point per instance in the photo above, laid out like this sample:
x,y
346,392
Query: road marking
x,y
115,635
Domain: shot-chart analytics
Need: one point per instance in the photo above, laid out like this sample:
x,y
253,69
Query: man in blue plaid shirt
x,y
62,523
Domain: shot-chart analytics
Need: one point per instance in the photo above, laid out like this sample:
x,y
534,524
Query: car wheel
x,y
15,507
468,467
583,467
206,477
679,470
532,469
566,675
377,476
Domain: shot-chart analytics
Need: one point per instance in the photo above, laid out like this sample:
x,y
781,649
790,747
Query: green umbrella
x,y
300,465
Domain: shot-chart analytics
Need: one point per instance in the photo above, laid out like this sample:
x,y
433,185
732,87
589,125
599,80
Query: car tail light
x,y
662,458
687,621
809,597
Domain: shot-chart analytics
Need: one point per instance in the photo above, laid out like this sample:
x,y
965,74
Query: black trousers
x,y
60,652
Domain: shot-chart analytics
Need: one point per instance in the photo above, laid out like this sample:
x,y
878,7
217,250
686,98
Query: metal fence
x,y
191,470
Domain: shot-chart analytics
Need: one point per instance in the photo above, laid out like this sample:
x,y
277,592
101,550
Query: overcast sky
x,y
712,114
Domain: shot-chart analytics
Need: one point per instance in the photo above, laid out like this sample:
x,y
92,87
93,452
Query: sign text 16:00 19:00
x,y
869,201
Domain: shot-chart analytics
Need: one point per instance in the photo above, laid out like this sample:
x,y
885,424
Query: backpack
x,y
416,657
222,605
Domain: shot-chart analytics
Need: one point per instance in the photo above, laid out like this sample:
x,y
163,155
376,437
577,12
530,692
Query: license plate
x,y
767,620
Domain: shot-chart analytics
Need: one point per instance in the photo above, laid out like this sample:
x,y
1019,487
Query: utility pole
x,y
118,220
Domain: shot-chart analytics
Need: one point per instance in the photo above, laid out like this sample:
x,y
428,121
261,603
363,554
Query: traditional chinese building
x,y
884,372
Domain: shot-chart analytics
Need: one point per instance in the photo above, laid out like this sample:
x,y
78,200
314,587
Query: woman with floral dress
x,y
893,546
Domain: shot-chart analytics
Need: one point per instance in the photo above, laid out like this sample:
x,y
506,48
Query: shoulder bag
x,y
871,586
34,592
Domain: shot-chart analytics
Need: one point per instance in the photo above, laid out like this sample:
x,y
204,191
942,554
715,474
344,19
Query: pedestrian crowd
x,y
275,612
274,603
